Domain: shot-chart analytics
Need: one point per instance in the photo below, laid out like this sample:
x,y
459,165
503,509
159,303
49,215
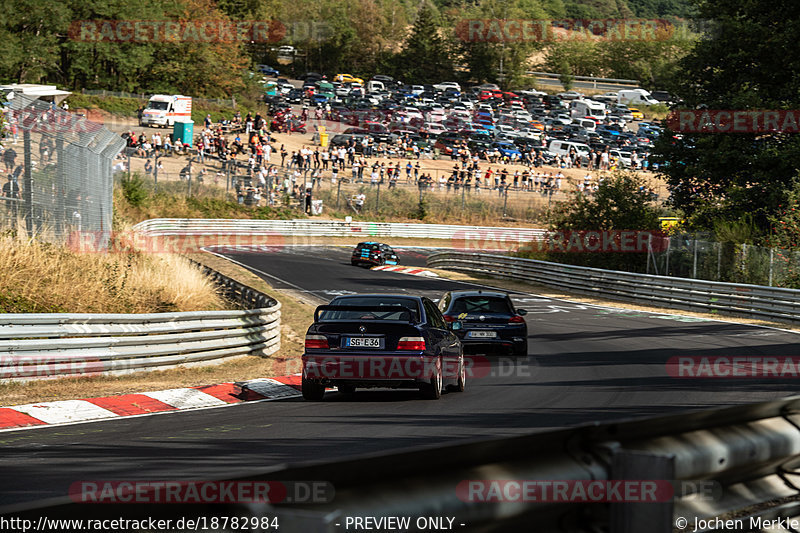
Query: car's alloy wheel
x,y
433,390
462,377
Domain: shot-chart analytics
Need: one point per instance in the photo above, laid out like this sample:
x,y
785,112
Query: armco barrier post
x,y
635,517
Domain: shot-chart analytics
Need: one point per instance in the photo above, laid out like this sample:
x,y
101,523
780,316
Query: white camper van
x,y
165,110
587,108
635,96
563,148
374,86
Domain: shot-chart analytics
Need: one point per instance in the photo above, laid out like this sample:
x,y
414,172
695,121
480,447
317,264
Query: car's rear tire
x,y
355,263
312,390
433,390
462,380
346,389
522,351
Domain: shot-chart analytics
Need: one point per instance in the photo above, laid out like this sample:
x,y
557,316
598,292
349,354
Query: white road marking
x,y
185,398
64,411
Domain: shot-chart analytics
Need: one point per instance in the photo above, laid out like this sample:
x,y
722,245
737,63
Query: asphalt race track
x,y
586,363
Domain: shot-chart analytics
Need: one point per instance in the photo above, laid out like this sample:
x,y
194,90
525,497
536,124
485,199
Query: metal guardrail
x,y
47,345
754,301
555,75
330,228
745,455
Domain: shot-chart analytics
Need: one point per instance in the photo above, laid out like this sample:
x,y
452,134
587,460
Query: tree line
x,y
67,43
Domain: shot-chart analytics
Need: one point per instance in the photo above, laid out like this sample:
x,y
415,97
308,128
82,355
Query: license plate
x,y
482,334
363,342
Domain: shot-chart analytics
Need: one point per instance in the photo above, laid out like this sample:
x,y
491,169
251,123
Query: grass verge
x,y
295,318
37,277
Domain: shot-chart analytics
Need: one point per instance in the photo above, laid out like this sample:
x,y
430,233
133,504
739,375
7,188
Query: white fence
x,y
330,228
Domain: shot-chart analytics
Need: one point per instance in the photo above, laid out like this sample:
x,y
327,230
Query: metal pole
x,y
155,172
669,245
771,255
463,193
27,192
549,199
378,198
129,163
338,191
505,200
694,262
189,178
61,210
719,260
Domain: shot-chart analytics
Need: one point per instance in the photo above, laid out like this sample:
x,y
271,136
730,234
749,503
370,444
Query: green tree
x,y
743,63
503,58
425,57
30,34
620,203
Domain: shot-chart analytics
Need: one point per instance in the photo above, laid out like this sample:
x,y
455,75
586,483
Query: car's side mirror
x,y
522,312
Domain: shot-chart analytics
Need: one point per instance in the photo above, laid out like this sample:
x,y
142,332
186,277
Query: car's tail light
x,y
516,319
316,341
411,343
449,318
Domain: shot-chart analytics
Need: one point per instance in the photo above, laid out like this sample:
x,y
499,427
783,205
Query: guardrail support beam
x,y
634,517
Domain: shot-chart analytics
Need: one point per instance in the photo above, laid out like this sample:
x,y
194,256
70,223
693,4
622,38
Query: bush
x,y
134,191
620,203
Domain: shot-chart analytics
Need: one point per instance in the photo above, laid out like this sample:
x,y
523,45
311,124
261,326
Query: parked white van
x,y
375,86
586,123
585,108
635,96
563,148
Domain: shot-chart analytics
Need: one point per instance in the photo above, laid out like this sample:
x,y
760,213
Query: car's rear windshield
x,y
481,304
367,247
375,313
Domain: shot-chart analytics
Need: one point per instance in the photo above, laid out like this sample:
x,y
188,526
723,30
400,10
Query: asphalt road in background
x,y
586,364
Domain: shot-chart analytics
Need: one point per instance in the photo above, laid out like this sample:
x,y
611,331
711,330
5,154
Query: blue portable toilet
x,y
183,131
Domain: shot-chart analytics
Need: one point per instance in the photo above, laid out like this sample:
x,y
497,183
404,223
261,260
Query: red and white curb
x,y
110,407
407,270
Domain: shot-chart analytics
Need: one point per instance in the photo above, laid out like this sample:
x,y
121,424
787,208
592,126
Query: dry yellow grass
x,y
295,318
39,277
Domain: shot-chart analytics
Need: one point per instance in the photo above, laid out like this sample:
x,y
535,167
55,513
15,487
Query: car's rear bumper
x,y
511,339
386,369
364,261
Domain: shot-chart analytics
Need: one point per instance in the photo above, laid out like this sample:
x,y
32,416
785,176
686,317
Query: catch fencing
x,y
50,345
688,256
754,301
58,168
